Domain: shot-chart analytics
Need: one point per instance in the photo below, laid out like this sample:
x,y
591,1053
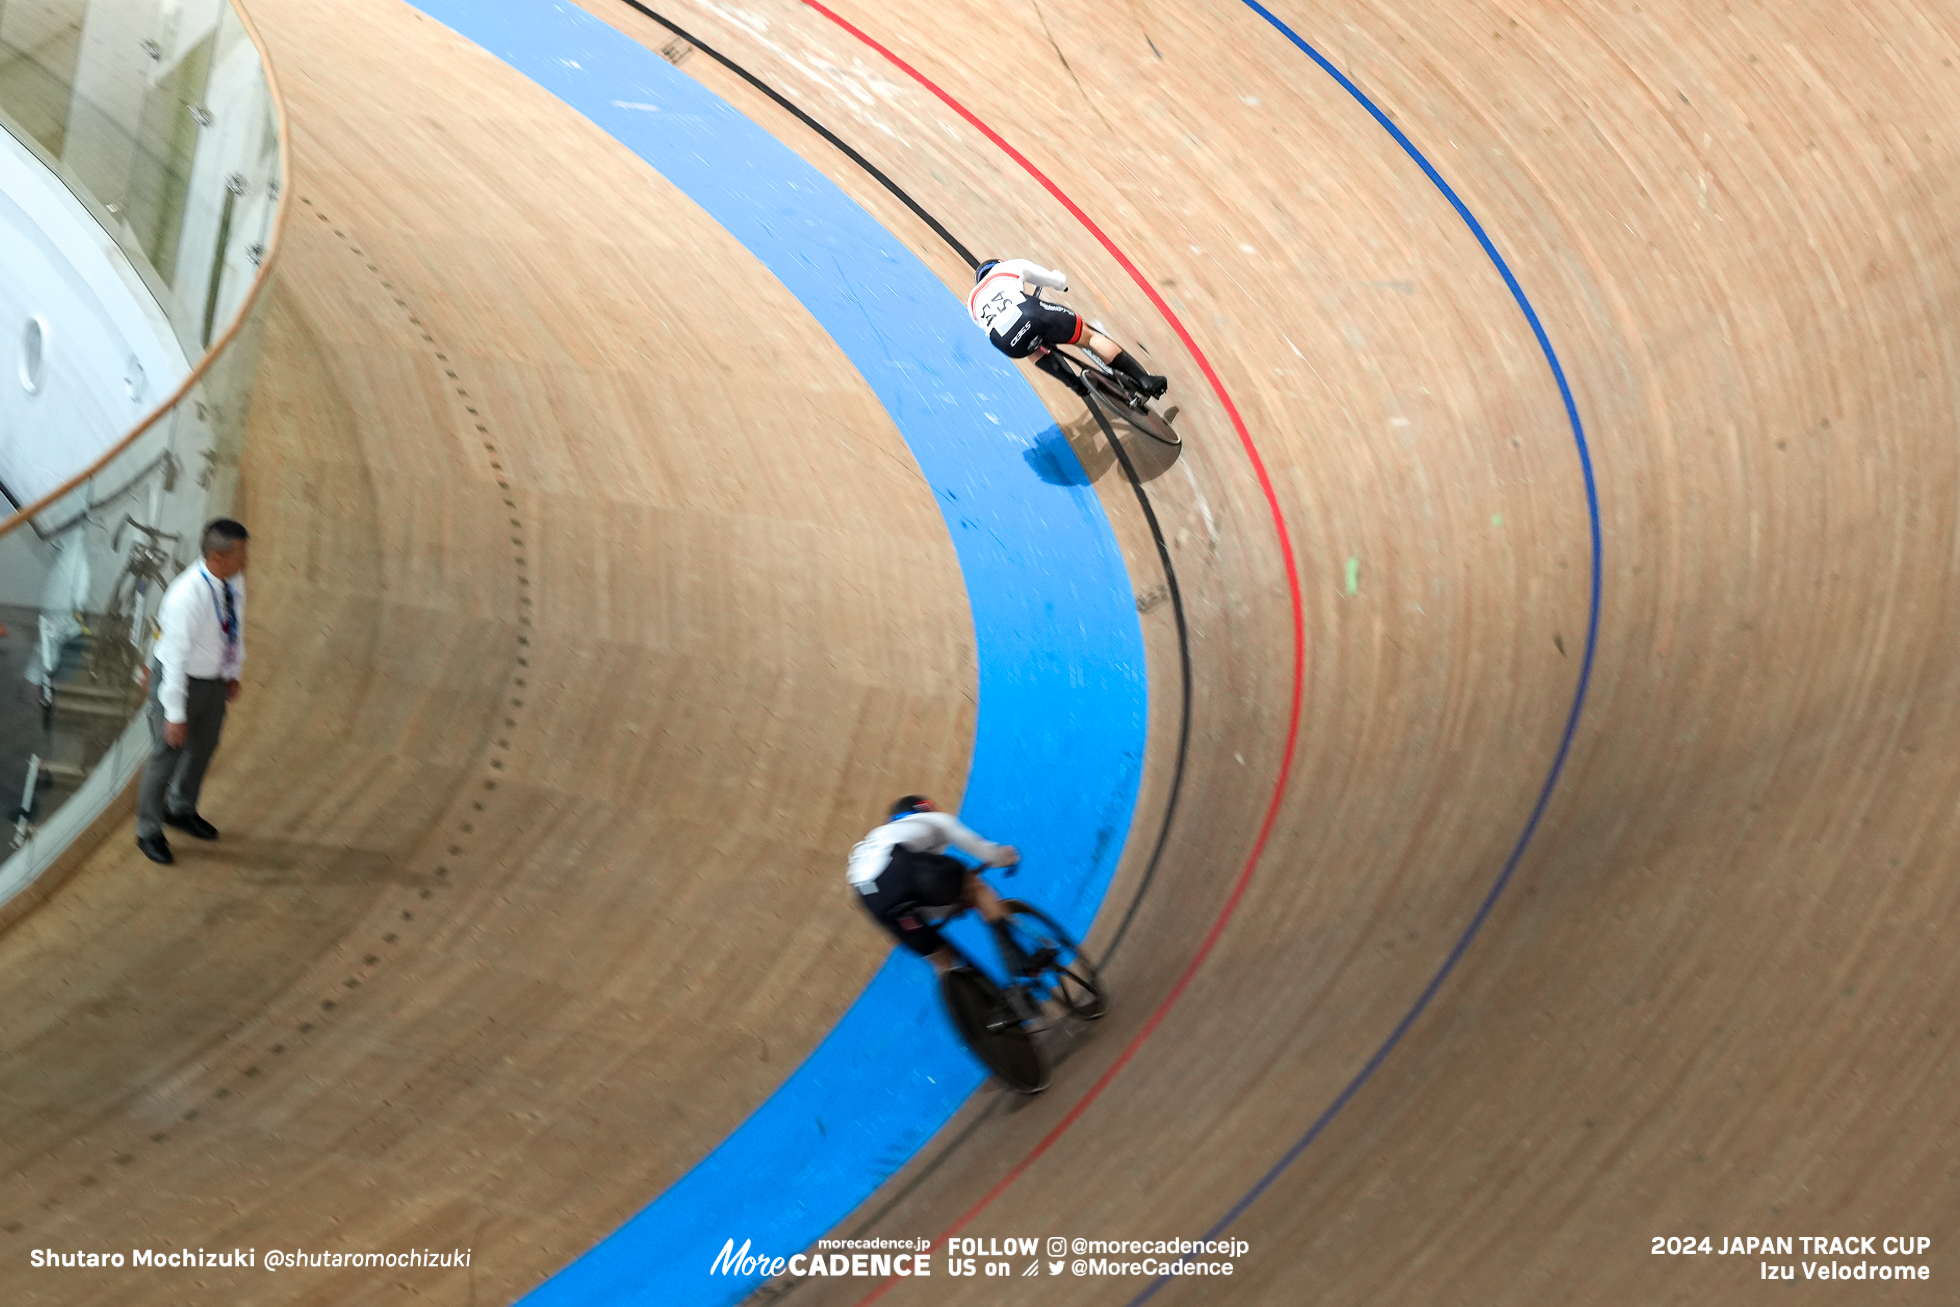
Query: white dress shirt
x,y
921,832
192,639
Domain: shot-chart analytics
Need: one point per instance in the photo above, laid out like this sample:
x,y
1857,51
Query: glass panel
x,y
39,46
159,116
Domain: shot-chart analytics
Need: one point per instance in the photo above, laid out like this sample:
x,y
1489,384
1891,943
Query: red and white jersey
x,y
995,300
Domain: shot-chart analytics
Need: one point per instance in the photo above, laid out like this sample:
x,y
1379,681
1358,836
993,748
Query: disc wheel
x,y
1068,976
1003,1045
1116,399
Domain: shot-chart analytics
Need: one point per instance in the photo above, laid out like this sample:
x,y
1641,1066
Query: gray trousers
x,y
173,777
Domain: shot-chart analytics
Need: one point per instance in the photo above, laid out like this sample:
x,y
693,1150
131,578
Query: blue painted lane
x,y
1062,696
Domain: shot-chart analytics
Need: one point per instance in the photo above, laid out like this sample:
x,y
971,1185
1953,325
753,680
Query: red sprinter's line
x,y
1299,638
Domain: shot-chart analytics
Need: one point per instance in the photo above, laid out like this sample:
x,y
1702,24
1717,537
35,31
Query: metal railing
x,y
163,118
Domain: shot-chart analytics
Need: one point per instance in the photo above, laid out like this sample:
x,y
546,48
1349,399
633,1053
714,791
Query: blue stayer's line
x,y
1470,932
1059,738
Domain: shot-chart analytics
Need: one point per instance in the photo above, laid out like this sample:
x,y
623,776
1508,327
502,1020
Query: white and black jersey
x,y
917,832
1007,305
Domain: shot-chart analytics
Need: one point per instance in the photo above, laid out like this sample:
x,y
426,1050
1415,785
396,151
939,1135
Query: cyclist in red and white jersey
x,y
1006,303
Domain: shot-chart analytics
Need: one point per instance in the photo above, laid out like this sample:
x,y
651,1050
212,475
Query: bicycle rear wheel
x,y
1118,400
1067,976
1003,1045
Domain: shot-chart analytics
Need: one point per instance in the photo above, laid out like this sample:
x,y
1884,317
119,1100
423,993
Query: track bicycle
x,y
1118,393
1050,982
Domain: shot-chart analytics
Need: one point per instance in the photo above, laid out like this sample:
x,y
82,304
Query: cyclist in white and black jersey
x,y
908,884
1006,303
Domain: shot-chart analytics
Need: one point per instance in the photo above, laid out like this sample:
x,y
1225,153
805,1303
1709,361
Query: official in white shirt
x,y
194,673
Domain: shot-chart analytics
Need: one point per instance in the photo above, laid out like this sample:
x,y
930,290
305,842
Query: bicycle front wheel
x,y
1003,1045
1131,408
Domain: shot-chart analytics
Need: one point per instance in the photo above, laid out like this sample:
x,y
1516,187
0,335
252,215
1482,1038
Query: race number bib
x,y
999,311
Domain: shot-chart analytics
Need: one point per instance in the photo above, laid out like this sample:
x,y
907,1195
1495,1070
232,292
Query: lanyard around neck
x,y
228,627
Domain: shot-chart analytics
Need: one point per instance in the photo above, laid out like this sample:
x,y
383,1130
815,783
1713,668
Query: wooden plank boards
x,y
598,607
1690,1013
1711,1000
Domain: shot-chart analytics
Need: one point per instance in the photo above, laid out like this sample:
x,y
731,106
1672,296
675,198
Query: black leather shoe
x,y
156,848
191,824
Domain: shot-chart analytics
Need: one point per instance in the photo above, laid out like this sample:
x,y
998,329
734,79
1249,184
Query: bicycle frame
x,y
1118,394
1025,995
1083,359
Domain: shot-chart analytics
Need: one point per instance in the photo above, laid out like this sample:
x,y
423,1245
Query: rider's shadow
x,y
1075,455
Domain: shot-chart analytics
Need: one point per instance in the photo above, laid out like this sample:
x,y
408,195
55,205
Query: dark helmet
x,y
980,273
910,804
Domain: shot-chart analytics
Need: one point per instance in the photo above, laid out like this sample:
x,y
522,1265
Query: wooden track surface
x,y
1712,1001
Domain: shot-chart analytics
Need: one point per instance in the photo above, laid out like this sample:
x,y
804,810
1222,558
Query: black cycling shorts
x,y
1040,323
912,881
